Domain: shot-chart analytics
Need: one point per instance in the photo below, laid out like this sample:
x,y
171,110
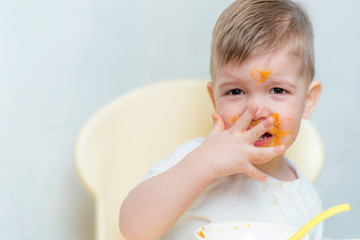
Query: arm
x,y
160,200
154,205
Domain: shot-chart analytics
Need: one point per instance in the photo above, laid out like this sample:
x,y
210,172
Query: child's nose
x,y
262,113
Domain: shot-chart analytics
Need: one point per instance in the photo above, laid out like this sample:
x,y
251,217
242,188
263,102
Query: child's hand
x,y
232,151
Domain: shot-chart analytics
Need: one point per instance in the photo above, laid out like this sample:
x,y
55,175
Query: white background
x,y
60,61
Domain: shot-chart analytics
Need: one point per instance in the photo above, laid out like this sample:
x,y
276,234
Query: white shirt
x,y
243,199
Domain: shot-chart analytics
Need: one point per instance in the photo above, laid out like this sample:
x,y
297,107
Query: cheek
x,y
230,119
230,114
285,131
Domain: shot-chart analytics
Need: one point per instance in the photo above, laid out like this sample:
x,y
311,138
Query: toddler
x,y
262,69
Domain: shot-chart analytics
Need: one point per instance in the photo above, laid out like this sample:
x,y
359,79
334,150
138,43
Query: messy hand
x,y
232,151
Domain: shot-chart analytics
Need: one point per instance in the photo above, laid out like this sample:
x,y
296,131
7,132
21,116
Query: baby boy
x,y
262,69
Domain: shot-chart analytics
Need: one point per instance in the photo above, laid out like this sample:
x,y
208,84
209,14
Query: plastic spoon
x,y
319,218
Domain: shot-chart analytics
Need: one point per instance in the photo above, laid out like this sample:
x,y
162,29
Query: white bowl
x,y
246,231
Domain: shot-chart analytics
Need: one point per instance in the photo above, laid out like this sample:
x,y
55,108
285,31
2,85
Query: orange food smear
x,y
275,116
201,234
277,132
235,118
254,123
261,73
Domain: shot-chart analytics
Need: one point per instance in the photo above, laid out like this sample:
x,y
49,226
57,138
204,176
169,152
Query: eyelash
x,y
283,91
272,91
236,92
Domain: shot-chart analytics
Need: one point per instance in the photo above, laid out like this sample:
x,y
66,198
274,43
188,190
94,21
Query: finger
x,y
244,121
265,154
255,173
256,132
219,124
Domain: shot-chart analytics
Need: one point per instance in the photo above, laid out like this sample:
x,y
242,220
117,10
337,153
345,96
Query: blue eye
x,y
236,92
279,91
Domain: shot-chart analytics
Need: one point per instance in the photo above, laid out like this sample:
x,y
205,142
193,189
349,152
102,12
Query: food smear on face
x,y
214,118
261,73
275,116
235,118
275,136
254,123
278,132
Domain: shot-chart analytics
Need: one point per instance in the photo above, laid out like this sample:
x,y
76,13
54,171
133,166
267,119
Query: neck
x,y
279,169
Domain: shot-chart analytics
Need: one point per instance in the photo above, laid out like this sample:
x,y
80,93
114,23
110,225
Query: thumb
x,y
219,124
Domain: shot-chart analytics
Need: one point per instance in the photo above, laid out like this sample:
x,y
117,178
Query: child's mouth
x,y
264,139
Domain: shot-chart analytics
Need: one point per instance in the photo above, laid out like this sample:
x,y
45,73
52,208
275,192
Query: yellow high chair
x,y
122,141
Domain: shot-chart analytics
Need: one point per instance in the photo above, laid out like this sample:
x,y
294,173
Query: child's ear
x,y
210,89
312,97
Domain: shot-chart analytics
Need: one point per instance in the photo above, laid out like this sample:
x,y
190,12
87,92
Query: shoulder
x,y
310,193
176,156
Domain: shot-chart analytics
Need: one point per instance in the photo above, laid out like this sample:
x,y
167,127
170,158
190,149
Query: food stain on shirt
x,y
278,184
261,73
275,201
289,194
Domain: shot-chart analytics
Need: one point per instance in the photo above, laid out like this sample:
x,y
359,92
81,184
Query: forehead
x,y
275,66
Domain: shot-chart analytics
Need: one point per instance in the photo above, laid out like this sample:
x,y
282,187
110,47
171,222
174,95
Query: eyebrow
x,y
273,81
231,82
276,81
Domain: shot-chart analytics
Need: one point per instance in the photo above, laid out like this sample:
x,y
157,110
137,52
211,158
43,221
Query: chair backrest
x,y
123,140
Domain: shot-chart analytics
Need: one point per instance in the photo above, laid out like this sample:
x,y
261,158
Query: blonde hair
x,y
251,27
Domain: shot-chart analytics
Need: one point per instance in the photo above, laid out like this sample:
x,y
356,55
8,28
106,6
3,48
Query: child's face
x,y
274,83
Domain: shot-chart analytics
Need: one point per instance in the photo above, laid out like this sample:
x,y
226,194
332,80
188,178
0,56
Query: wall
x,y
60,61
